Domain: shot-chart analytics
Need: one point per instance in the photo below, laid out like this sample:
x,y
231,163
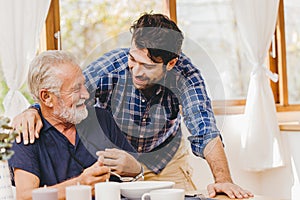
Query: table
x,y
224,197
256,197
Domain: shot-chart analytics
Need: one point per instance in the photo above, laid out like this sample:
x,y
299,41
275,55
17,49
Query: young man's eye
x,y
148,66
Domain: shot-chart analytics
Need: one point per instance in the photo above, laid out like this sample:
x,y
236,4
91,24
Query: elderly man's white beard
x,y
71,115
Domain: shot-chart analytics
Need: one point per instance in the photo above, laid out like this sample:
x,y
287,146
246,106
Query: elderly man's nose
x,y
84,93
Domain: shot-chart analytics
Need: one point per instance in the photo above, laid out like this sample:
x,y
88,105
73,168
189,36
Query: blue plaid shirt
x,y
153,125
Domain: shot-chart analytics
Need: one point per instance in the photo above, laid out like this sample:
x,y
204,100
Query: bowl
x,y
135,190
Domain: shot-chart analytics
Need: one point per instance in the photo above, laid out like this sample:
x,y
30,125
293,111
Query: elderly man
x,y
59,158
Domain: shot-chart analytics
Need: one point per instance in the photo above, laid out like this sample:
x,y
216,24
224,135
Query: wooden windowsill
x,y
290,127
229,110
235,109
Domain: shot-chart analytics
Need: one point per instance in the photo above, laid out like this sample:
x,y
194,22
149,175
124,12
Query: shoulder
x,y
31,147
186,72
116,55
113,61
24,154
185,66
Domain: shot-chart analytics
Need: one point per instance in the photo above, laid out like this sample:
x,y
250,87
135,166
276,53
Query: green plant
x,y
7,136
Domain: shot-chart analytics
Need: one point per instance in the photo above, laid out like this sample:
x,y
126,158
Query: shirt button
x,y
143,100
144,119
140,149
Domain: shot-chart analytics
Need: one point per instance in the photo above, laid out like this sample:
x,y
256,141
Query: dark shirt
x,y
53,159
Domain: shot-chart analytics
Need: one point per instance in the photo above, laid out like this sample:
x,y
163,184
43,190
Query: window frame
x,y
51,28
276,65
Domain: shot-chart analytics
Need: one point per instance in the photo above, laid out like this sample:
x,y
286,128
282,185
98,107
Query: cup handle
x,y
145,195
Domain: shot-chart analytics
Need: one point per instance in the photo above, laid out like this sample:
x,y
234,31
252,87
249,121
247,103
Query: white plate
x,y
135,190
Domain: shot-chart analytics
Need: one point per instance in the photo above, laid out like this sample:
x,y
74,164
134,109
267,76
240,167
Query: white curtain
x,y
21,22
261,144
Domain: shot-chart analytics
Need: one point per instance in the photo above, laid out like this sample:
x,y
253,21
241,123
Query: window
x,y
91,28
284,62
292,36
209,26
211,23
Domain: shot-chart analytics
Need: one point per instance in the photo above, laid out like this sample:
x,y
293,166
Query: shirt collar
x,y
46,124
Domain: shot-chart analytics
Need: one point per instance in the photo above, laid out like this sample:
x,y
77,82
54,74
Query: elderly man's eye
x,y
77,89
131,59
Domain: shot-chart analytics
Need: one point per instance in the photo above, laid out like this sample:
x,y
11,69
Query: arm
x,y
216,158
29,122
205,137
26,181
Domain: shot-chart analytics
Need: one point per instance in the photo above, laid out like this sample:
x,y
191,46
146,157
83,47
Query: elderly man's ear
x,y
46,97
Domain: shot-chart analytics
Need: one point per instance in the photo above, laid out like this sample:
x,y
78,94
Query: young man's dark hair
x,y
159,35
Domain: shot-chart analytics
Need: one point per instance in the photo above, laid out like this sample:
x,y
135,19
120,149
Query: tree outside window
x,y
98,26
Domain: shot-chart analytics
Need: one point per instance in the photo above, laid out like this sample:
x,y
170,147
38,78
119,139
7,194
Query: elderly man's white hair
x,y
41,73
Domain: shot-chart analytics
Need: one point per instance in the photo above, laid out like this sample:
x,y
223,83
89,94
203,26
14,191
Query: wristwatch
x,y
140,176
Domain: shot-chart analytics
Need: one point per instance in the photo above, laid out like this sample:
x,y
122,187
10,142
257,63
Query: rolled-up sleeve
x,y
197,111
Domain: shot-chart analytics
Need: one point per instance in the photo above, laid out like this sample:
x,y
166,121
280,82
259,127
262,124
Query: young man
x,y
143,87
59,158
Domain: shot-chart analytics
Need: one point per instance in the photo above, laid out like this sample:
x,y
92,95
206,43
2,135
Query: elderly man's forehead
x,y
67,71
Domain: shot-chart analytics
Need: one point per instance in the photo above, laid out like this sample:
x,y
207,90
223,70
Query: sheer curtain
x,y
21,23
261,144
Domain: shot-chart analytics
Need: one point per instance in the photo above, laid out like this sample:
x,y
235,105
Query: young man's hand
x,y
28,124
230,189
120,162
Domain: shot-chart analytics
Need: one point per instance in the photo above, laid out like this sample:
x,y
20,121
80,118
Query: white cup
x,y
165,194
44,193
108,190
79,192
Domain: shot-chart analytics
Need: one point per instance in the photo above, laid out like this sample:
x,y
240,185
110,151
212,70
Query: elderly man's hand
x,y
94,174
230,189
120,162
28,124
